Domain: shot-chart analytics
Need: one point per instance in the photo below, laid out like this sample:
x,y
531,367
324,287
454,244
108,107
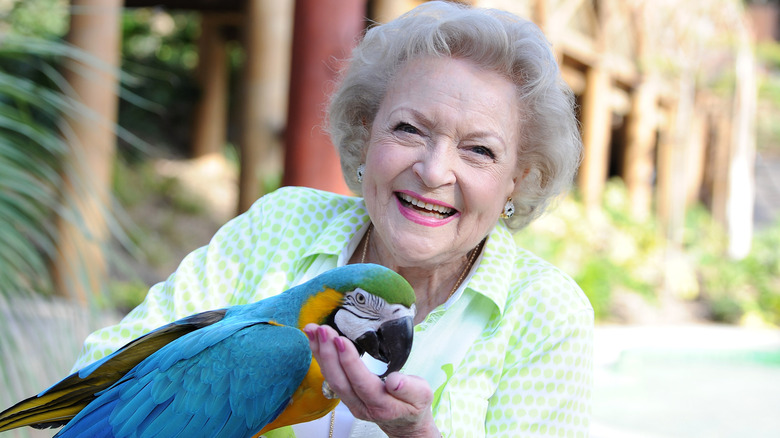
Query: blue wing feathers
x,y
158,338
193,426
95,426
225,373
144,425
218,415
165,426
214,389
133,412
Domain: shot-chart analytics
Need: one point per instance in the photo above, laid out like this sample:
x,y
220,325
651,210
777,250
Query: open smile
x,y
424,207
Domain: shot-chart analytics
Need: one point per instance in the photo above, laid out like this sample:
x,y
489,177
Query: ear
x,y
524,174
517,179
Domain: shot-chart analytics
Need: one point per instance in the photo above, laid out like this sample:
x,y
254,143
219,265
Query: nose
x,y
436,165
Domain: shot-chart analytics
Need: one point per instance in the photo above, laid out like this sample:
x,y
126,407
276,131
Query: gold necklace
x,y
365,244
466,269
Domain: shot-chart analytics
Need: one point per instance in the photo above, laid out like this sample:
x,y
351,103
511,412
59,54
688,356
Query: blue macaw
x,y
233,372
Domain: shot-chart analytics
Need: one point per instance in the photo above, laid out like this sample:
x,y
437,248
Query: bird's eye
x,y
360,298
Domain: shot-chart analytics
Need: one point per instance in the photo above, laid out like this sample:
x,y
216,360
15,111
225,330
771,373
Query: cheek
x,y
487,192
378,181
386,161
495,182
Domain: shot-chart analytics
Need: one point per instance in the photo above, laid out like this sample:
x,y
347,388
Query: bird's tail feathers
x,y
65,399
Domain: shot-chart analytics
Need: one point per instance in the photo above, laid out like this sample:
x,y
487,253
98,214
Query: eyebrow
x,y
428,122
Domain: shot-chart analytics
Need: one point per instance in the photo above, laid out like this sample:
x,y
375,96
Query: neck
x,y
433,286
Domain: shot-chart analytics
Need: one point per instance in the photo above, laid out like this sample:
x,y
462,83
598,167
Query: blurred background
x,y
131,130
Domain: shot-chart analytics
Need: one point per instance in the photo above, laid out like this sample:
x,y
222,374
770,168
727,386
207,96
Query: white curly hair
x,y
550,146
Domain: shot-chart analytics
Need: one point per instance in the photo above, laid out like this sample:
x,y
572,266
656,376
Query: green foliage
x,y
739,290
768,130
607,251
768,53
137,186
159,58
34,18
133,182
39,335
32,146
123,296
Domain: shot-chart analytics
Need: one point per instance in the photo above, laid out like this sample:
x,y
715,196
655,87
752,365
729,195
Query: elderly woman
x,y
455,128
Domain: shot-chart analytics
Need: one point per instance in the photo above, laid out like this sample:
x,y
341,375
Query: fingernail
x,y
309,334
339,344
399,386
323,334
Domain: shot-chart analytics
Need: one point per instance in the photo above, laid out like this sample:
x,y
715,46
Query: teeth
x,y
426,205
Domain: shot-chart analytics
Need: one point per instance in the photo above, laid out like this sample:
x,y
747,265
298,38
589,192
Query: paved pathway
x,y
693,381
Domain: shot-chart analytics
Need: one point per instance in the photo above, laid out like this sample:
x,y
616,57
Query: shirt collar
x,y
494,273
491,278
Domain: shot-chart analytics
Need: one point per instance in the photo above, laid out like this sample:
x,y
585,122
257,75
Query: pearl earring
x,y
361,170
509,209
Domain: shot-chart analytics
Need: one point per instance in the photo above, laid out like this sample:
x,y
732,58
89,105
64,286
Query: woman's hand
x,y
400,406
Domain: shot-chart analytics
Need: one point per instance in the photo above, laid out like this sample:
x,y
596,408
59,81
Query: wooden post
x,y
719,171
672,151
665,166
210,125
324,32
639,159
596,117
80,268
539,13
696,153
596,132
263,93
383,11
641,124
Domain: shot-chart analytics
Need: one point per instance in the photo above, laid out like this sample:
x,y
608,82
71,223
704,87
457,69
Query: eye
x,y
360,298
407,128
482,150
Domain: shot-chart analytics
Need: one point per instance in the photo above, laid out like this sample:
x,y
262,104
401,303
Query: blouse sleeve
x,y
211,277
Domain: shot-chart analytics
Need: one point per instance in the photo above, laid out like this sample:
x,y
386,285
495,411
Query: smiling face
x,y
441,159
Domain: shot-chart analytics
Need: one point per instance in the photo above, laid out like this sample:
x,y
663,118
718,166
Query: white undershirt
x,y
345,421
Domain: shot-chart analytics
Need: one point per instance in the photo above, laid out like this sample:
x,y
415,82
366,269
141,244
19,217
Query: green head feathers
x,y
377,279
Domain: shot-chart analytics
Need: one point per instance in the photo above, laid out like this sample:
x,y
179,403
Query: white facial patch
x,y
363,311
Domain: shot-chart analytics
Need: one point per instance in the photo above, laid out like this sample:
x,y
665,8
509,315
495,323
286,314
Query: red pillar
x,y
324,32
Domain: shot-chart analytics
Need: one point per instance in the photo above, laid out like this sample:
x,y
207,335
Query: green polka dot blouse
x,y
512,357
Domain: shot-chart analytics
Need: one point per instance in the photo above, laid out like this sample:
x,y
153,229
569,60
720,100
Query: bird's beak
x,y
391,343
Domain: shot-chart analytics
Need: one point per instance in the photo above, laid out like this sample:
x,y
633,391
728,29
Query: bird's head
x,y
369,304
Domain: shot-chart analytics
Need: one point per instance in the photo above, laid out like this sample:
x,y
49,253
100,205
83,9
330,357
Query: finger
x,y
367,386
412,390
321,342
354,373
311,332
325,351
